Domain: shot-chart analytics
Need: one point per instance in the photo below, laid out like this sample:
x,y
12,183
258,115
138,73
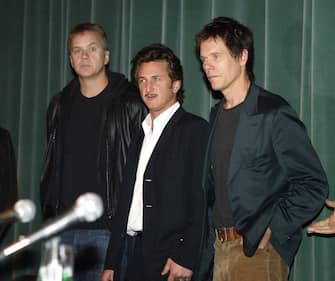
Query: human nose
x,y
84,54
206,65
148,86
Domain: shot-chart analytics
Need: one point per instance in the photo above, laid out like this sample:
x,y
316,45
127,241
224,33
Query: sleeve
x,y
117,241
307,182
51,124
188,254
51,113
114,252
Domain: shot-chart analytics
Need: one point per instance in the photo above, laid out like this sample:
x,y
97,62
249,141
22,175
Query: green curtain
x,y
295,57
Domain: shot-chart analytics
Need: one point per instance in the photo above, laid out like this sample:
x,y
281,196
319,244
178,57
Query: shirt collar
x,y
160,121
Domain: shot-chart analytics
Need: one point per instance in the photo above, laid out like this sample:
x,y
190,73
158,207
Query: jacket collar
x,y
250,105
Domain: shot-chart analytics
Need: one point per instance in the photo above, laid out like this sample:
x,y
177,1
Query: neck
x,y
93,87
155,114
237,94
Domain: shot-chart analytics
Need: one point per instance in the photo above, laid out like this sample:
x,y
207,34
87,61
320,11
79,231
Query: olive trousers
x,y
230,263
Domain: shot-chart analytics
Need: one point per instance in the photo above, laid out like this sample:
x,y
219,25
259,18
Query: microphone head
x,y
89,207
25,210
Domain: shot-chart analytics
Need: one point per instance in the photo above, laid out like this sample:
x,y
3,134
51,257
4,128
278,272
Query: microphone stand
x,y
57,261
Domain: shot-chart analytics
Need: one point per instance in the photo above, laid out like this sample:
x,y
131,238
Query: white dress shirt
x,y
152,133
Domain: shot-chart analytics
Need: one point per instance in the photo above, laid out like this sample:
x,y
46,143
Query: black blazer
x,y
173,197
8,184
275,176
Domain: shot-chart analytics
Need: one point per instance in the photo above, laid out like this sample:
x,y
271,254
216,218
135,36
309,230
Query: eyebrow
x,y
89,45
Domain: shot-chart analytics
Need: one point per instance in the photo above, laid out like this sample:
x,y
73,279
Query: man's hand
x,y
177,272
265,239
326,226
107,275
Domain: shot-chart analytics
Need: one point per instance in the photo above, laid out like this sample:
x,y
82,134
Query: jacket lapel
x,y
246,131
165,136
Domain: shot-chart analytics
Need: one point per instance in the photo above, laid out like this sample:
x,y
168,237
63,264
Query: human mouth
x,y
150,96
85,65
211,77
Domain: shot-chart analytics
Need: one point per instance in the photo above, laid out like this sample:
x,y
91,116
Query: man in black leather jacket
x,y
90,124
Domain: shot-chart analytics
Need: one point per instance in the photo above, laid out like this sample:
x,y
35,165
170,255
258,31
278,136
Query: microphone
x,y
23,210
87,208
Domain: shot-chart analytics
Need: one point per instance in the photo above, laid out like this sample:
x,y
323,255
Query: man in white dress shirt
x,y
162,207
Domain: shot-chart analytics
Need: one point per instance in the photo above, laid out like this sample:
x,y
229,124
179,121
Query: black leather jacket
x,y
121,119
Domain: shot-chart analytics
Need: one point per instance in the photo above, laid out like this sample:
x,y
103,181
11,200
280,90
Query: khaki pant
x,y
230,263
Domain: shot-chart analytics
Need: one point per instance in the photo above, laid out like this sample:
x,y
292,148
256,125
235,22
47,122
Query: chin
x,y
215,88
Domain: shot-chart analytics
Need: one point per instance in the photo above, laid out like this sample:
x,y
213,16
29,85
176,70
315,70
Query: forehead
x,y
212,44
86,37
153,68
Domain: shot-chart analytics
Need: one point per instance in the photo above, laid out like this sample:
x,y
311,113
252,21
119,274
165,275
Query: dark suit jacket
x,y
275,177
8,185
173,197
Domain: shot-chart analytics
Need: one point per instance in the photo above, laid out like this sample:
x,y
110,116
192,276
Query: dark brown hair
x,y
235,35
160,52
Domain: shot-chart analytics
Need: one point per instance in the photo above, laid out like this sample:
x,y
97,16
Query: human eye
x,y
157,78
93,49
216,56
140,81
76,51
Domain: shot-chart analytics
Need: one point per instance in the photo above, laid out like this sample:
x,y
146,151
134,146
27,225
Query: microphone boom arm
x,y
88,207
49,229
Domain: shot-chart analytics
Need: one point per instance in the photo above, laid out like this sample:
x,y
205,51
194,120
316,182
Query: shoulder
x,y
194,118
277,109
190,130
55,99
268,101
192,122
124,96
119,86
66,91
122,90
54,105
